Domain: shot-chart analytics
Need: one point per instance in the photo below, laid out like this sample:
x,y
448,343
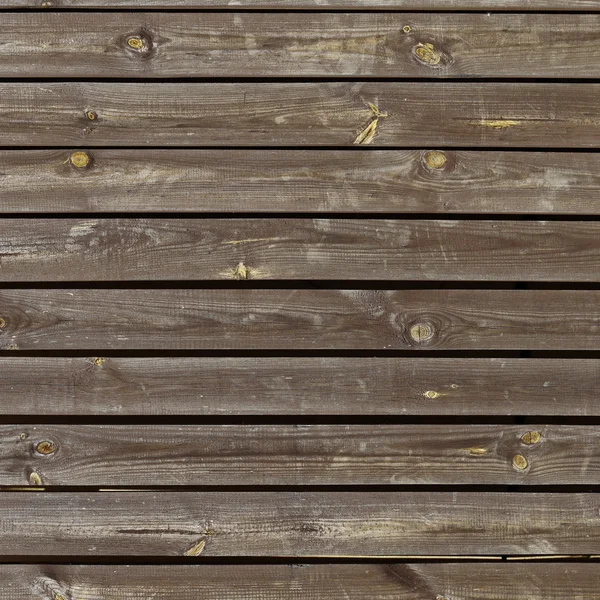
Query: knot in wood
x,y
421,332
80,160
427,54
407,29
45,447
519,462
2,322
91,115
98,361
139,43
241,272
435,159
531,438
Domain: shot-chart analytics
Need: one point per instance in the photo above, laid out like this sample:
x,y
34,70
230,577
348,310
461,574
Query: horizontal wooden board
x,y
470,581
549,115
60,319
298,386
298,45
297,524
438,5
386,181
170,455
35,250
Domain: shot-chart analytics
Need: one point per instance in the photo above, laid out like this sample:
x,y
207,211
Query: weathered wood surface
x,y
298,386
298,45
437,5
470,581
61,319
171,455
386,181
556,115
35,250
297,524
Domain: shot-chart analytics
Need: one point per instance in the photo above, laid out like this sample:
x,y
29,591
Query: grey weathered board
x,y
385,181
298,45
186,319
555,115
226,386
393,581
317,249
170,455
297,524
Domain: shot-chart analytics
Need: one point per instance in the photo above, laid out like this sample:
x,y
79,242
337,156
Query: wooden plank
x,y
298,45
438,5
298,386
297,524
556,115
35,250
396,181
60,319
400,581
154,455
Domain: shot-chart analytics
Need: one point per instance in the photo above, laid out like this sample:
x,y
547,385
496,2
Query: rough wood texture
x,y
298,386
470,581
438,5
171,455
35,250
60,319
297,524
300,180
556,115
298,45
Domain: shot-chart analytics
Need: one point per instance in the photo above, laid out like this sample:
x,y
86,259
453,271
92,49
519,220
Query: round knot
x,y
422,332
80,160
45,447
90,115
139,43
519,462
407,29
531,438
434,159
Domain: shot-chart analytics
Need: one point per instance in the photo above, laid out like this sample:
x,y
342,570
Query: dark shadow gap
x,y
354,216
297,421
300,284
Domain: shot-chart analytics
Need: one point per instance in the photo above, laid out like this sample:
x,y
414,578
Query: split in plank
x,y
171,455
555,115
386,181
395,45
61,319
297,524
36,250
298,386
467,581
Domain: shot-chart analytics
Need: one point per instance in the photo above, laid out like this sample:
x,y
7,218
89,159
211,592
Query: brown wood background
x,y
299,299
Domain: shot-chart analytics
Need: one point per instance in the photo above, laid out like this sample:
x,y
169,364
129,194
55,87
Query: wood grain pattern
x,y
298,386
438,5
61,319
556,115
34,250
171,455
368,45
470,581
297,524
385,181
